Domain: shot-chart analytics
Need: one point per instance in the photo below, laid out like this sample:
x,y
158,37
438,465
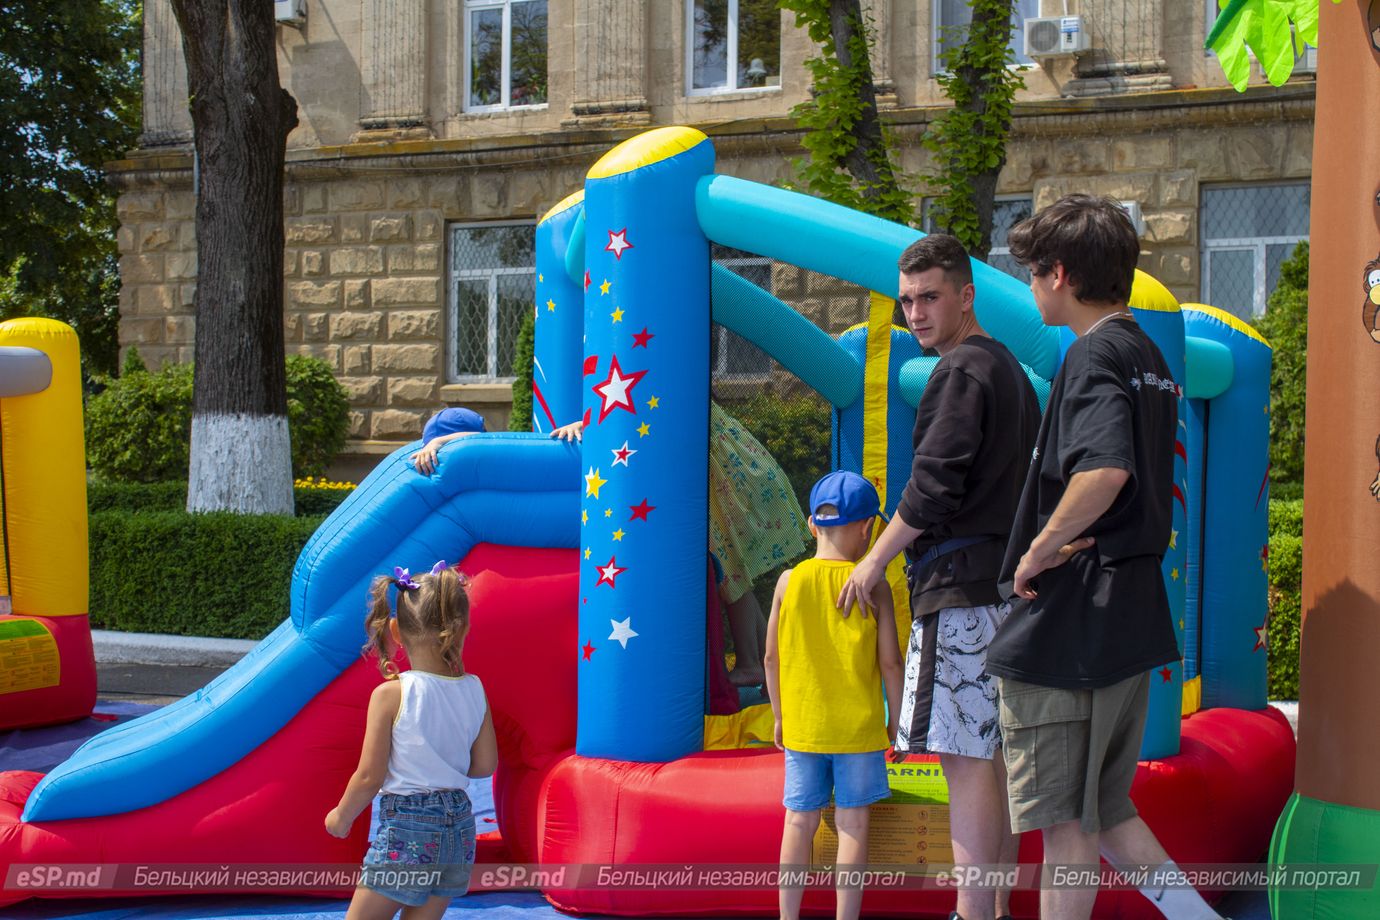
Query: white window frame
x,y
505,70
723,335
731,53
1256,245
937,68
491,275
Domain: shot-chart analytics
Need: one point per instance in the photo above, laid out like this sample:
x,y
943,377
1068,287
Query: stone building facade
x,y
433,133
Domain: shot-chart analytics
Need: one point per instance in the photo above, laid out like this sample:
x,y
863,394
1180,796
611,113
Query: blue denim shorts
x,y
424,847
854,779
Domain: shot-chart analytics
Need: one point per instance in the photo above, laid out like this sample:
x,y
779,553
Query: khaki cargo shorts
x,y
1071,754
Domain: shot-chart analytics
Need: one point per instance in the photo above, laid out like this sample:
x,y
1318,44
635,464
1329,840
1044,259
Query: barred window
x,y
505,54
1247,232
731,45
732,357
492,279
1007,212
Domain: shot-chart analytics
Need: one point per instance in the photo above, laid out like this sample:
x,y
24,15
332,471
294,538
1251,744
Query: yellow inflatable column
x,y
47,669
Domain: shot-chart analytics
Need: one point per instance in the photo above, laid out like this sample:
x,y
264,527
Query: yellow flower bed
x,y
321,482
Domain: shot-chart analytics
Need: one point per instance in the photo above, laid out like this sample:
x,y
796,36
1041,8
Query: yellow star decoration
x,y
551,306
618,535
604,288
1174,574
653,402
617,315
608,512
1181,623
541,277
593,481
1173,538
644,429
584,516
1267,408
587,552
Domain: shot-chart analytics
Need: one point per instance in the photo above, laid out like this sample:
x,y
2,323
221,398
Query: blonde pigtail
x,y
376,625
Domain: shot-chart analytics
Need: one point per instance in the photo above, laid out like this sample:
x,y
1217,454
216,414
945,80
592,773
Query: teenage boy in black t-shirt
x,y
1091,616
973,433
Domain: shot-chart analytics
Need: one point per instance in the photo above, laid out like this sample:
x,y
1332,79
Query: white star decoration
x,y
615,390
621,454
622,631
618,243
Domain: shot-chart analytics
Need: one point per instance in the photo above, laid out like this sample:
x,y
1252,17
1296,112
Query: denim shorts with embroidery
x,y
424,847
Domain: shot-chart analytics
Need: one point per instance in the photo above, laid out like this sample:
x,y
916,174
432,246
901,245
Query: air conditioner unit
x,y
1054,35
290,12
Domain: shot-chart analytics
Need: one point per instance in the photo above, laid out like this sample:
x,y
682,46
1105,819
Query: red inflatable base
x,y
1216,801
268,809
74,694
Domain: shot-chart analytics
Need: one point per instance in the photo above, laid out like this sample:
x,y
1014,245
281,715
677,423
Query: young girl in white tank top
x,y
428,734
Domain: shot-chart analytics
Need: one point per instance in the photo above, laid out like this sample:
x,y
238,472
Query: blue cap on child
x,y
854,498
452,420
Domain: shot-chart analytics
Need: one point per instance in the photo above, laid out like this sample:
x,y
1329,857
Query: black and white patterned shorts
x,y
949,701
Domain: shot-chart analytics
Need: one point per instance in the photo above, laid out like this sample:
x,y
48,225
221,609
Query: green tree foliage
x,y
139,428
969,140
318,415
850,159
1285,598
521,419
69,101
1285,324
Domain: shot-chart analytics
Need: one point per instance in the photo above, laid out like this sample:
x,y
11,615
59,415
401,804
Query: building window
x,y
1247,232
732,357
950,28
732,45
505,54
1007,212
492,276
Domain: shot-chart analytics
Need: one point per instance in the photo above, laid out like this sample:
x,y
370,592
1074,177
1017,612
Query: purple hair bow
x,y
403,579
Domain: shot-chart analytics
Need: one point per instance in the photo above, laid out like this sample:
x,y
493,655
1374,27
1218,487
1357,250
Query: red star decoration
x,y
618,243
622,454
1181,451
1262,637
607,573
640,339
587,281
588,649
615,392
640,512
1166,673
1265,558
591,365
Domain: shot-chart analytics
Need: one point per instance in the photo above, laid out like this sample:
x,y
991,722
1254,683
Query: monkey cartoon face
x,y
1370,283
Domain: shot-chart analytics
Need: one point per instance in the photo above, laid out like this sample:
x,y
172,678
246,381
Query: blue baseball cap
x,y
452,420
854,497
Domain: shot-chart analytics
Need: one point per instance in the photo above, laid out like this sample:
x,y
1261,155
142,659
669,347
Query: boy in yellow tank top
x,y
825,675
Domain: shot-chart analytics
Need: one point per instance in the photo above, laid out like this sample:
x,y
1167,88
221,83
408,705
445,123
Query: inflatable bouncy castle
x,y
590,592
47,669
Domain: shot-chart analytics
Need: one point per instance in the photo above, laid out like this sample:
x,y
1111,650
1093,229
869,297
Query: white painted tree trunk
x,y
240,463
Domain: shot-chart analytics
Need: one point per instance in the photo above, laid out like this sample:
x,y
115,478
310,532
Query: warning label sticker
x,y
28,656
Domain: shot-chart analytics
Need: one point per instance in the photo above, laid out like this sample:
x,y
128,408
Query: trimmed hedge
x,y
1285,597
309,501
220,574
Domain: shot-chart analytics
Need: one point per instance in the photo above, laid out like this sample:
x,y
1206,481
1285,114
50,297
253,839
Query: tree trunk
x,y
240,453
988,16
868,161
